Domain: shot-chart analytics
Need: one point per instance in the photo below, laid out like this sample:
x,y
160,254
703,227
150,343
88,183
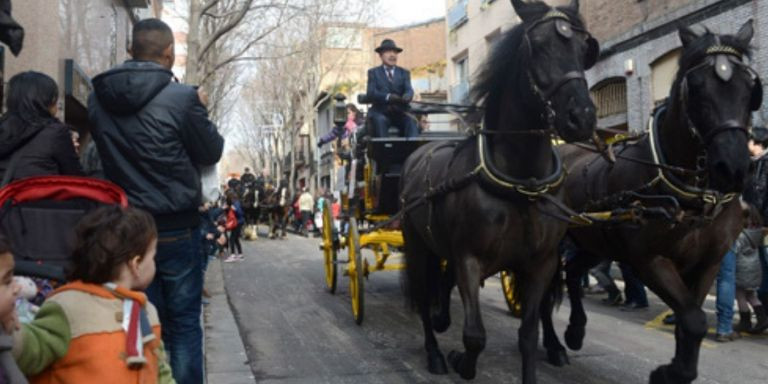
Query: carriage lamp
x,y
340,110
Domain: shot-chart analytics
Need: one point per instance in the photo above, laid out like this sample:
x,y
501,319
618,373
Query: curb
x,y
225,359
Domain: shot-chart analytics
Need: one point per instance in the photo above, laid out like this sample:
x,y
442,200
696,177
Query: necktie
x,y
390,75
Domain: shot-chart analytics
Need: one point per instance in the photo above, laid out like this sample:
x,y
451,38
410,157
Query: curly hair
x,y
107,238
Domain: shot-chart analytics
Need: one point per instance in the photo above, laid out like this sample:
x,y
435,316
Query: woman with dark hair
x,y
33,142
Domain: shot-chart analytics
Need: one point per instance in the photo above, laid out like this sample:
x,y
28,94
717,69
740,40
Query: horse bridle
x,y
723,59
565,29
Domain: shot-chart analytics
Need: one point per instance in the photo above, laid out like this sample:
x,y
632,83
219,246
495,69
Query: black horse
x,y
682,182
490,203
276,204
252,199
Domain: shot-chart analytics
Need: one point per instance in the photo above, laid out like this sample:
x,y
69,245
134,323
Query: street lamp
x,y
340,110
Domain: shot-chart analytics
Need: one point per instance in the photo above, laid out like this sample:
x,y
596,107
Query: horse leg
x,y
556,354
441,321
422,271
468,279
283,221
577,322
661,275
534,283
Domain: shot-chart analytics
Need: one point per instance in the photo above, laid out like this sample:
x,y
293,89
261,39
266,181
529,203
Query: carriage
x,y
370,205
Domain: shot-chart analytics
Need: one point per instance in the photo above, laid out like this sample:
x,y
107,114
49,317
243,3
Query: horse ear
x,y
746,32
520,8
574,5
687,36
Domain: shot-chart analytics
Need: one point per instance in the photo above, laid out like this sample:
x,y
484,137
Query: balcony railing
x,y
460,93
457,15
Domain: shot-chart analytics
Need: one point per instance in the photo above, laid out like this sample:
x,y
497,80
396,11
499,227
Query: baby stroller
x,y
39,214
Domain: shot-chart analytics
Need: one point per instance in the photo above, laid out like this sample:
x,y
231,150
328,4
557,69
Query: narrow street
x,y
294,331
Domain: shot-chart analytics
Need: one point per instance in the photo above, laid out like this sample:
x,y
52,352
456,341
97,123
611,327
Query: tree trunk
x,y
193,42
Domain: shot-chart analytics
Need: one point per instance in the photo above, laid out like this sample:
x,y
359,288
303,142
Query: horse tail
x,y
417,268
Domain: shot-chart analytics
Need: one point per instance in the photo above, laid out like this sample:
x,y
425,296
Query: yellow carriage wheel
x,y
355,270
329,250
508,286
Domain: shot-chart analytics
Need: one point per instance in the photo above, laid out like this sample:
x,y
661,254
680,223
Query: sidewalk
x,y
225,358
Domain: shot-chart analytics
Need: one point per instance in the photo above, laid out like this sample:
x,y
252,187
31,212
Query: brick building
x,y
423,54
640,49
639,41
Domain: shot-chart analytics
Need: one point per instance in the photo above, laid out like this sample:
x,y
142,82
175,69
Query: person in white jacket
x,y
306,203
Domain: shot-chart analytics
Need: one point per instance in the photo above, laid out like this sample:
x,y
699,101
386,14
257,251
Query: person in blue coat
x,y
390,92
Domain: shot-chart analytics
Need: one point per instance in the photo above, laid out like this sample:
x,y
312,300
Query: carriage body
x,y
369,217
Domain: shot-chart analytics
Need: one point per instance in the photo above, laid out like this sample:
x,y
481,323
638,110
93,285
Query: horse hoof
x,y
436,364
558,358
456,359
659,376
574,337
441,324
663,375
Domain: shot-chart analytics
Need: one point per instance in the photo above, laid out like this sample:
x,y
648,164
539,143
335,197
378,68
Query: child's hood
x,y
755,236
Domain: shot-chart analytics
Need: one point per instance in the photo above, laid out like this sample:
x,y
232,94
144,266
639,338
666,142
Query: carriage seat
x,y
388,155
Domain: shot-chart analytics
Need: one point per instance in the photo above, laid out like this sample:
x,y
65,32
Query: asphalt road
x,y
296,332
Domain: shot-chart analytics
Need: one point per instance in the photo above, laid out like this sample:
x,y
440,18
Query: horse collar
x,y
531,188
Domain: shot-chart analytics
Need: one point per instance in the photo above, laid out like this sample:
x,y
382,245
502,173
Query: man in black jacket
x,y
756,192
153,136
390,92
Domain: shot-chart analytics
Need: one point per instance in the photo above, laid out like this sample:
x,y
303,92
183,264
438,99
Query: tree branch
x,y
226,28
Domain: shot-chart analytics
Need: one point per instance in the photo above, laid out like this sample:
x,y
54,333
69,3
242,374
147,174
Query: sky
x,y
402,12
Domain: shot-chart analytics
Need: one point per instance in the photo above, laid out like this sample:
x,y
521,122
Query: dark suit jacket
x,y
379,86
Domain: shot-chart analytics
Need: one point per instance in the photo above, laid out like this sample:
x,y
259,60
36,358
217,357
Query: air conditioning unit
x,y
137,3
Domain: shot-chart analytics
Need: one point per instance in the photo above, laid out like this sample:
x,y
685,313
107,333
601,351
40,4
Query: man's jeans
x,y
764,263
634,289
726,293
176,292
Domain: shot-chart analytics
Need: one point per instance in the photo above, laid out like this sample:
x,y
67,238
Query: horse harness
x,y
493,181
565,29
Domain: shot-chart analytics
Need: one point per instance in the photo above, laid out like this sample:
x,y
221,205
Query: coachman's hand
x,y
395,99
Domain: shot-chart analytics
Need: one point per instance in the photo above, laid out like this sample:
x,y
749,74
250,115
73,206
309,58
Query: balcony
x,y
460,93
457,15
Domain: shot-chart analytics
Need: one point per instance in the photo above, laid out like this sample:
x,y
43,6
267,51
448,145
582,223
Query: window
x,y
610,97
460,92
663,72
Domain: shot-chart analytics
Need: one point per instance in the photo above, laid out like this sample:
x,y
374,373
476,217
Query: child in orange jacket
x,y
100,327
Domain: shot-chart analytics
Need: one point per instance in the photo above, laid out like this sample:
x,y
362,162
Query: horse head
x,y
716,91
556,48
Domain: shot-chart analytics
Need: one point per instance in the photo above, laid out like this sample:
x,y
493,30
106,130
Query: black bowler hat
x,y
388,45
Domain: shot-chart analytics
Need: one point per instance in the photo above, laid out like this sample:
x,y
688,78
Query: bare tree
x,y
289,83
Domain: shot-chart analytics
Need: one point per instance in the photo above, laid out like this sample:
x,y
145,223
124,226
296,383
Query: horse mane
x,y
504,70
696,52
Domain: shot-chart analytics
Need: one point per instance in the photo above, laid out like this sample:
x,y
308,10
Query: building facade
x,y
472,27
639,47
76,41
